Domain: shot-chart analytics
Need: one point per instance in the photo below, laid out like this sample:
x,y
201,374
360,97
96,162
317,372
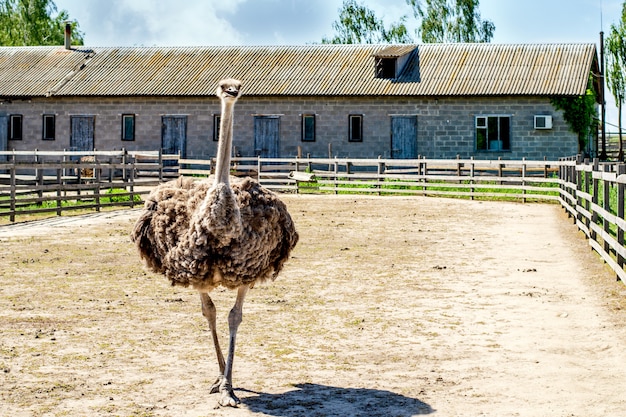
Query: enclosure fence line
x,y
591,192
33,182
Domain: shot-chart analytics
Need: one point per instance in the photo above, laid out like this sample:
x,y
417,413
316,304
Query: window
x,y
217,119
308,128
48,130
128,127
15,127
493,133
356,128
385,68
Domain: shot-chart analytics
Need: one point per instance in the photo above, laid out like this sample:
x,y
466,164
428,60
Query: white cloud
x,y
150,23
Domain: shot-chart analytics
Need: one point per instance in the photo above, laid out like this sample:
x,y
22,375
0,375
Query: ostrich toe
x,y
215,388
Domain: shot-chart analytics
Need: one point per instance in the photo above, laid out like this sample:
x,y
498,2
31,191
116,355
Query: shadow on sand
x,y
322,400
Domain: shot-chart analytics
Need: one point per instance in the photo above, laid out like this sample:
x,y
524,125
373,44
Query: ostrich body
x,y
209,233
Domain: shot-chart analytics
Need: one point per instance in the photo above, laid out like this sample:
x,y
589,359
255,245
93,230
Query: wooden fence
x,y
34,182
523,180
592,193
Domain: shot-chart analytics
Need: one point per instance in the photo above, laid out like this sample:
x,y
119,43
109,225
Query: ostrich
x,y
209,233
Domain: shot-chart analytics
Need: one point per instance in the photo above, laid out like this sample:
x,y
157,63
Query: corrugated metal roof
x,y
34,71
346,70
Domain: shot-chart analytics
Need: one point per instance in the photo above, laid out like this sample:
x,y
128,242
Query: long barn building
x,y
364,101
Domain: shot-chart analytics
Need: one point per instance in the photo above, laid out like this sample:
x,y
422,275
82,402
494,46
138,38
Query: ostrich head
x,y
229,89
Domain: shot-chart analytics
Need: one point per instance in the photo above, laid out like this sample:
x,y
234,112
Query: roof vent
x,y
389,62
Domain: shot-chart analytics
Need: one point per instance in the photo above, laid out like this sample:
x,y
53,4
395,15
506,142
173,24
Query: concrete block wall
x,y
445,124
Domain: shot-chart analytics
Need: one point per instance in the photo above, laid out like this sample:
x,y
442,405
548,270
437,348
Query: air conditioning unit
x,y
543,121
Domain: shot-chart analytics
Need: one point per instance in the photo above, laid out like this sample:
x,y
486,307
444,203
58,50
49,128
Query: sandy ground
x,y
389,307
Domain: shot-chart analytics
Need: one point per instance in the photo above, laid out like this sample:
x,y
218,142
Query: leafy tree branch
x,y
34,22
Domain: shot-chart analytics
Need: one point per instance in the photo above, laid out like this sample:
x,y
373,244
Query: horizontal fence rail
x,y
470,178
592,193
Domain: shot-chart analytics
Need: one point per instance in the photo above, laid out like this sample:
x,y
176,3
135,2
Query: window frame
x,y
351,134
15,129
217,119
304,137
492,133
124,136
45,133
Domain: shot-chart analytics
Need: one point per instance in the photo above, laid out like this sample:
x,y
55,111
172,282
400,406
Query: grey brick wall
x,y
445,125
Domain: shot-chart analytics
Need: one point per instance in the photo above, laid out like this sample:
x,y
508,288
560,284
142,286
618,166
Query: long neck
x,y
224,148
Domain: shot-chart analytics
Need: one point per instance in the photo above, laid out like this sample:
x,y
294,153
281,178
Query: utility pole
x,y
603,114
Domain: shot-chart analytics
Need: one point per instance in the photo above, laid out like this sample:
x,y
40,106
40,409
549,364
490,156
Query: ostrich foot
x,y
228,398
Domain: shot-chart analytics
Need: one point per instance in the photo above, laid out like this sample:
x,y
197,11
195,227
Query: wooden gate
x,y
174,135
404,137
82,129
267,136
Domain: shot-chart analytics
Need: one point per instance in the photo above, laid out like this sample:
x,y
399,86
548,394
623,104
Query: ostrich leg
x,y
209,311
234,320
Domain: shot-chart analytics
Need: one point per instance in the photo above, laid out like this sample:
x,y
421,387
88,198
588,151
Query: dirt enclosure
x,y
389,307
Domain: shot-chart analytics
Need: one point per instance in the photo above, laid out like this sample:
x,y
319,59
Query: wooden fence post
x,y
523,179
595,183
124,166
606,205
110,169
59,187
13,190
97,185
79,175
160,165
425,173
579,186
330,155
379,174
39,183
574,180
336,171
621,170
131,180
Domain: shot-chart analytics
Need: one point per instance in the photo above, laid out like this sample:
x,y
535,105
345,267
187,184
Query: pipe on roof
x,y
68,35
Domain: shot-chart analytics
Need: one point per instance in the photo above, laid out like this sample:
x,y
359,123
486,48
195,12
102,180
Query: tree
x,y
579,112
440,21
358,24
616,70
451,21
34,22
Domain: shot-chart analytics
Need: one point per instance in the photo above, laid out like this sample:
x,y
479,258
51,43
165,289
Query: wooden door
x,y
267,136
82,133
174,135
404,137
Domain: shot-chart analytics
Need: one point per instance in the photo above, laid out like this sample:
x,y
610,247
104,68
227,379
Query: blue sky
x,y
294,22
